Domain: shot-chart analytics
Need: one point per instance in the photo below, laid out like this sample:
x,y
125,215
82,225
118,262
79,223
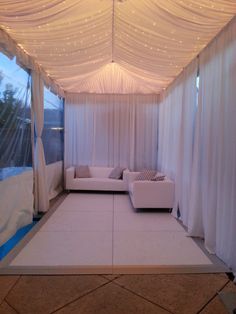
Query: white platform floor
x,y
103,230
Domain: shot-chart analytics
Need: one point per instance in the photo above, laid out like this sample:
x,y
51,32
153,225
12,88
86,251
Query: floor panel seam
x,y
142,297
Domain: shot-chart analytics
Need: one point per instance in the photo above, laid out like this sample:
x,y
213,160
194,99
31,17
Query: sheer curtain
x,y
41,188
213,193
111,130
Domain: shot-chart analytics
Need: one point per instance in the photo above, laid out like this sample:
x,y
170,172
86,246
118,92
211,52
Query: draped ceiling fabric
x,y
148,42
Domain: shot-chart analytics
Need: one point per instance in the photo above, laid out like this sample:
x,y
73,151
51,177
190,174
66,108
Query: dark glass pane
x,y
53,132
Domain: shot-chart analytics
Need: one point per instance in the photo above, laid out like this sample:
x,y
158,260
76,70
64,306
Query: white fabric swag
x,y
202,146
41,188
151,41
111,130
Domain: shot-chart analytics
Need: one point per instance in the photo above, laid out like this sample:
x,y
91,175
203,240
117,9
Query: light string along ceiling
x,y
149,41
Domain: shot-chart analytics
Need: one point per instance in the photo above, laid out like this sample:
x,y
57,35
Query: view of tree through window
x,y
15,118
53,132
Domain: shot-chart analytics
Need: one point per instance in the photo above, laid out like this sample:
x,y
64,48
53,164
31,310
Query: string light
x,y
137,36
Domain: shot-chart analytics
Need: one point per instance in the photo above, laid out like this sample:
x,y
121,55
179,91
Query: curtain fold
x,y
41,189
110,130
176,127
184,156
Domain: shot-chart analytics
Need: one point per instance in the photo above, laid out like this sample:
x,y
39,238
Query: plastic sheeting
x,y
16,206
54,179
16,175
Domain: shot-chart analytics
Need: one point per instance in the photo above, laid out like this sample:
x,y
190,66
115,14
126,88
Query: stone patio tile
x,y
230,287
216,306
6,283
111,277
6,309
179,293
111,299
44,294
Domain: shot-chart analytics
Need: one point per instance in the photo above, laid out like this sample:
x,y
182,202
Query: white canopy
x,y
119,46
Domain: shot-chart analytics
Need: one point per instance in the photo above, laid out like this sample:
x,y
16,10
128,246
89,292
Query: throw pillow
x,y
117,173
146,175
82,172
159,177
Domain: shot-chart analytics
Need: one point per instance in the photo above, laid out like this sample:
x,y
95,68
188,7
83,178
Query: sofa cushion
x,y
117,173
99,184
100,172
82,171
145,175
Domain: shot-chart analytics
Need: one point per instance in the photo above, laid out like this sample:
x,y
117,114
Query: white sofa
x,y
99,180
151,194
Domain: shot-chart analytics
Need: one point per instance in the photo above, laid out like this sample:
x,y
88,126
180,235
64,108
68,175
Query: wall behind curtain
x,y
110,130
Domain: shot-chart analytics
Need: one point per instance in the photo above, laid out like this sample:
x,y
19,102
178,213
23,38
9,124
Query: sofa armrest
x,y
152,194
126,173
132,176
70,175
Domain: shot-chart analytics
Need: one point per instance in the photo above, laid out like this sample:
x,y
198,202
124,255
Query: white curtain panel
x,y
213,194
185,141
197,146
170,120
41,188
111,130
176,122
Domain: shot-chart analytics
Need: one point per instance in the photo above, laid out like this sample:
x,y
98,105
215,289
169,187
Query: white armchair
x,y
151,194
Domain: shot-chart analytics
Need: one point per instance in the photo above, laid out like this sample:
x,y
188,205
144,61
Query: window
x,y
197,85
15,118
53,132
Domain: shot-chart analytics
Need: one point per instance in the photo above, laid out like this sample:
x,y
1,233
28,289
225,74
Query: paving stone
x,y
230,287
6,309
111,299
179,293
216,306
44,294
111,277
6,283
